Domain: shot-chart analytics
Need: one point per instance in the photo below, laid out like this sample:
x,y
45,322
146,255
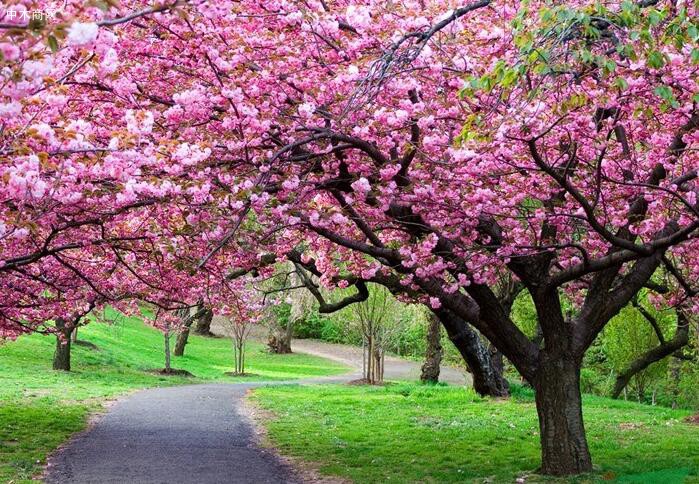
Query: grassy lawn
x,y
413,433
41,408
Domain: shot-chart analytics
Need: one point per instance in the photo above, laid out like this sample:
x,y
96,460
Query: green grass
x,y
41,408
413,433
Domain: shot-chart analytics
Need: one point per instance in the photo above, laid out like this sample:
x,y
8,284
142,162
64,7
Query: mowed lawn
x,y
41,408
413,433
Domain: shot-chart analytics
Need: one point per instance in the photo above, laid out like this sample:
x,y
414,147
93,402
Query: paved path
x,y
394,369
191,434
194,434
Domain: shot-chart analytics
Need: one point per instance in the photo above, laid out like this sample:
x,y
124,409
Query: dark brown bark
x,y
203,323
181,343
433,354
61,356
564,449
488,379
663,350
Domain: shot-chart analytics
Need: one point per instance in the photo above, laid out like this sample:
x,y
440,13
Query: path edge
x,y
93,418
306,471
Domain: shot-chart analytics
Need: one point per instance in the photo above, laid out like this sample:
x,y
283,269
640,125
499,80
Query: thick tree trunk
x,y
181,343
564,449
488,378
433,355
279,341
203,324
61,356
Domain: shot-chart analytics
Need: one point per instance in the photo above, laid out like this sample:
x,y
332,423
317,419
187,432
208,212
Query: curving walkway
x,y
194,434
191,434
394,369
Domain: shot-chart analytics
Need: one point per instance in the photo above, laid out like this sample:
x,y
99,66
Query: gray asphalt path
x,y
195,434
394,368
191,434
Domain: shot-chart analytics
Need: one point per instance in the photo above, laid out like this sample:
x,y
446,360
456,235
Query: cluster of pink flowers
x,y
139,148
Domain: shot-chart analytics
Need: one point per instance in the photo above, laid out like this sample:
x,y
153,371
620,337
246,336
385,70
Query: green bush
x,y
309,327
330,329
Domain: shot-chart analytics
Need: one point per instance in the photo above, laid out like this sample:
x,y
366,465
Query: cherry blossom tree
x,y
461,150
244,309
566,165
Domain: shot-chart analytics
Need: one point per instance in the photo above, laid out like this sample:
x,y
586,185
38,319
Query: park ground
x,y
40,408
400,432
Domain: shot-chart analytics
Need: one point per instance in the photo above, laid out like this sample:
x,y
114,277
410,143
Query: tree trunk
x,y
168,365
675,367
433,355
74,335
564,449
61,356
378,357
488,378
279,341
239,356
203,325
181,342
497,363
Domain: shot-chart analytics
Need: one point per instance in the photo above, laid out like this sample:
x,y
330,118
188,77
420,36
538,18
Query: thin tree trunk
x,y
239,356
564,449
235,357
168,366
74,335
365,368
378,356
675,366
433,354
61,356
370,361
242,357
383,364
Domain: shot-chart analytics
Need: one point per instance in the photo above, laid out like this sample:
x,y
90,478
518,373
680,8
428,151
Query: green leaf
x,y
53,43
621,83
656,60
693,32
654,17
609,66
664,92
695,55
